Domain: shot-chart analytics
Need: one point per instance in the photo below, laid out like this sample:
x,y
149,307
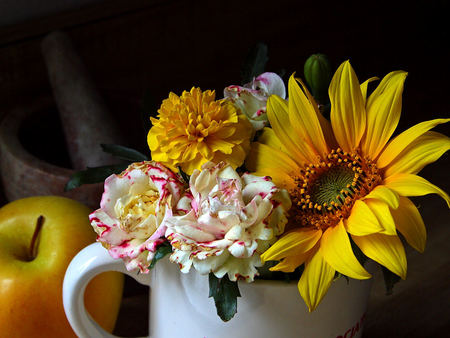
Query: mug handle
x,y
89,262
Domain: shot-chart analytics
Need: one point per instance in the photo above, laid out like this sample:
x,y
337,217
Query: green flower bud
x,y
317,71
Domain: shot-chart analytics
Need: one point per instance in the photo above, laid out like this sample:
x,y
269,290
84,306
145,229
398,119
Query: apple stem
x,y
32,252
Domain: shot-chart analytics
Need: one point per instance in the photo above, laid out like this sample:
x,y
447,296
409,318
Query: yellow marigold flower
x,y
194,128
346,178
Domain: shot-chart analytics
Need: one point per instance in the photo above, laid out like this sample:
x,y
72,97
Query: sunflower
x,y
195,128
346,179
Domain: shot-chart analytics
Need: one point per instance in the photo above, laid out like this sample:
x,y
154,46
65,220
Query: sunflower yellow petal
x,y
315,280
324,123
280,178
424,150
348,114
293,243
383,113
364,87
289,264
278,116
384,249
410,224
262,156
362,220
382,213
413,185
400,142
384,194
337,251
303,117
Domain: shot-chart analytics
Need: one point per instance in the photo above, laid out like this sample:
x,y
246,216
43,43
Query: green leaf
x,y
186,178
390,279
225,293
124,153
255,62
93,175
162,250
338,275
266,274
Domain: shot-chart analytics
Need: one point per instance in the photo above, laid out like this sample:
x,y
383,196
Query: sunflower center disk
x,y
331,185
326,191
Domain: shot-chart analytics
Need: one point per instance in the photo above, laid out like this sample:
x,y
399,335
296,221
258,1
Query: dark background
x,y
162,46
136,47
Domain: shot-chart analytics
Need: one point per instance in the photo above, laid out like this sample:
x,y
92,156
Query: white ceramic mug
x,y
180,307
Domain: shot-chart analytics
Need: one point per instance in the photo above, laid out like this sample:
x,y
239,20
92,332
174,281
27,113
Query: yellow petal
x,y
262,156
413,185
384,249
400,142
220,145
362,220
424,150
303,117
243,131
206,152
160,157
348,114
269,138
325,125
410,224
337,251
364,87
315,280
293,243
280,178
289,264
190,166
382,213
383,113
277,114
152,139
189,153
384,194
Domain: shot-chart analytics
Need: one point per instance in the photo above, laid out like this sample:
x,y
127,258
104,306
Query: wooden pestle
x,y
86,121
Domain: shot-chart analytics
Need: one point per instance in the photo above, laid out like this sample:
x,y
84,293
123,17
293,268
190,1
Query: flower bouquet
x,y
263,185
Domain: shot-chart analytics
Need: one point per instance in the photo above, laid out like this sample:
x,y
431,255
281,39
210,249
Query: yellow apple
x,y
31,275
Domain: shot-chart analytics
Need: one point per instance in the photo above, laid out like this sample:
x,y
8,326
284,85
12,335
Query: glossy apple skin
x,y
31,291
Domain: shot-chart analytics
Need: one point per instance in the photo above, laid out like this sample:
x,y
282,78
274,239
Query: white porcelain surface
x,y
180,307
